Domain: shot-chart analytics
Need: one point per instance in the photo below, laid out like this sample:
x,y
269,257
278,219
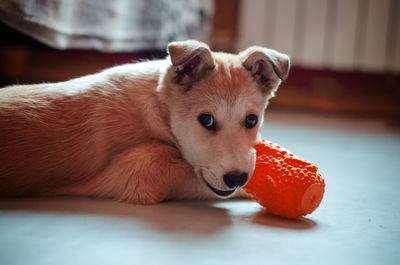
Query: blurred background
x,y
345,53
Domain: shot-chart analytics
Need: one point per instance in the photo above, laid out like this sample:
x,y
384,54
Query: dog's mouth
x,y
219,193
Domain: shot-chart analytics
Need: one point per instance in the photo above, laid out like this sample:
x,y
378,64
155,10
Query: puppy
x,y
179,128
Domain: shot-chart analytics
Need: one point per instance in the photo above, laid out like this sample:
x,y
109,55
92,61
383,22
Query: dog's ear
x,y
191,60
266,66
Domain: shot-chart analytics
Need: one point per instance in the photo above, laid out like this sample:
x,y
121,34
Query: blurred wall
x,y
361,35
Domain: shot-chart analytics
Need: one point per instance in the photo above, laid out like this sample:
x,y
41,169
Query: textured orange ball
x,y
283,183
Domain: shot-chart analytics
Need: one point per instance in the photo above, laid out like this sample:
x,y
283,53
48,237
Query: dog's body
x,y
143,132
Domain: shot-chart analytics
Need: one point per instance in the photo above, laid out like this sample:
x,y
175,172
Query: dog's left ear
x,y
191,60
266,66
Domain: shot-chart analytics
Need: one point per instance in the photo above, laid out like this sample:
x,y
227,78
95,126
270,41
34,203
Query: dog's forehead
x,y
227,84
229,73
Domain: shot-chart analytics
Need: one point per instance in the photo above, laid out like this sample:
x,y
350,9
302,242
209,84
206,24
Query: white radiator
x,y
360,35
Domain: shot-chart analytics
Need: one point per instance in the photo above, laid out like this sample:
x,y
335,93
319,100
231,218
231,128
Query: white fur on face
x,y
230,147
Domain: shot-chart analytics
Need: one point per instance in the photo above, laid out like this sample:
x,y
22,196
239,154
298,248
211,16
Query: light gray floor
x,y
358,221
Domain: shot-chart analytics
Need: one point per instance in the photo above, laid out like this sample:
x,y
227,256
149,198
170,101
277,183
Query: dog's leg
x,y
144,174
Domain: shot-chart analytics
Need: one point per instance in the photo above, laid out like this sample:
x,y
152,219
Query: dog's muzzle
x,y
233,179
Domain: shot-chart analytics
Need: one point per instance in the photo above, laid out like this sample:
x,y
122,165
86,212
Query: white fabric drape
x,y
109,25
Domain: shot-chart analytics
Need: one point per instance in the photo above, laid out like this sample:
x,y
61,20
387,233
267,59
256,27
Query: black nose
x,y
235,179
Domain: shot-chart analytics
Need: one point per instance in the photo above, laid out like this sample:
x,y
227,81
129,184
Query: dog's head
x,y
216,103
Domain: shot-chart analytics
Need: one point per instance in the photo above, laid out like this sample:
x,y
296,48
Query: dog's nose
x,y
235,179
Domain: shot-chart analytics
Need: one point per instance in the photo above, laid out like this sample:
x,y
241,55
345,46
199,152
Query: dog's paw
x,y
242,194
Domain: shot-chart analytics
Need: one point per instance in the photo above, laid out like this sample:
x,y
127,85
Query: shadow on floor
x,y
189,218
266,219
171,217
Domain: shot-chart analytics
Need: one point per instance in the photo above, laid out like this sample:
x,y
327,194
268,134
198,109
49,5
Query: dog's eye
x,y
251,121
207,120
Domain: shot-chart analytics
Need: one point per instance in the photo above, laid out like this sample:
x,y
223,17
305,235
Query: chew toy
x,y
283,183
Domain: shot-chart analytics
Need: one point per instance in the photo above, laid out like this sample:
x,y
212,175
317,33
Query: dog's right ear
x,y
191,60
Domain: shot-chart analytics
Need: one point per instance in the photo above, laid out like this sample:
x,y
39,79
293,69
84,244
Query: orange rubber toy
x,y
283,183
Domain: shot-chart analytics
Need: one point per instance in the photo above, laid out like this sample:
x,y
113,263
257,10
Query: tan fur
x,y
129,132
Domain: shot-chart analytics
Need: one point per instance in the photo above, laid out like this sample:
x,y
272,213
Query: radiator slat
x,y
284,40
344,42
252,23
374,54
314,33
393,42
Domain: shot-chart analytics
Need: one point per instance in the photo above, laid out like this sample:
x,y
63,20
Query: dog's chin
x,y
223,194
